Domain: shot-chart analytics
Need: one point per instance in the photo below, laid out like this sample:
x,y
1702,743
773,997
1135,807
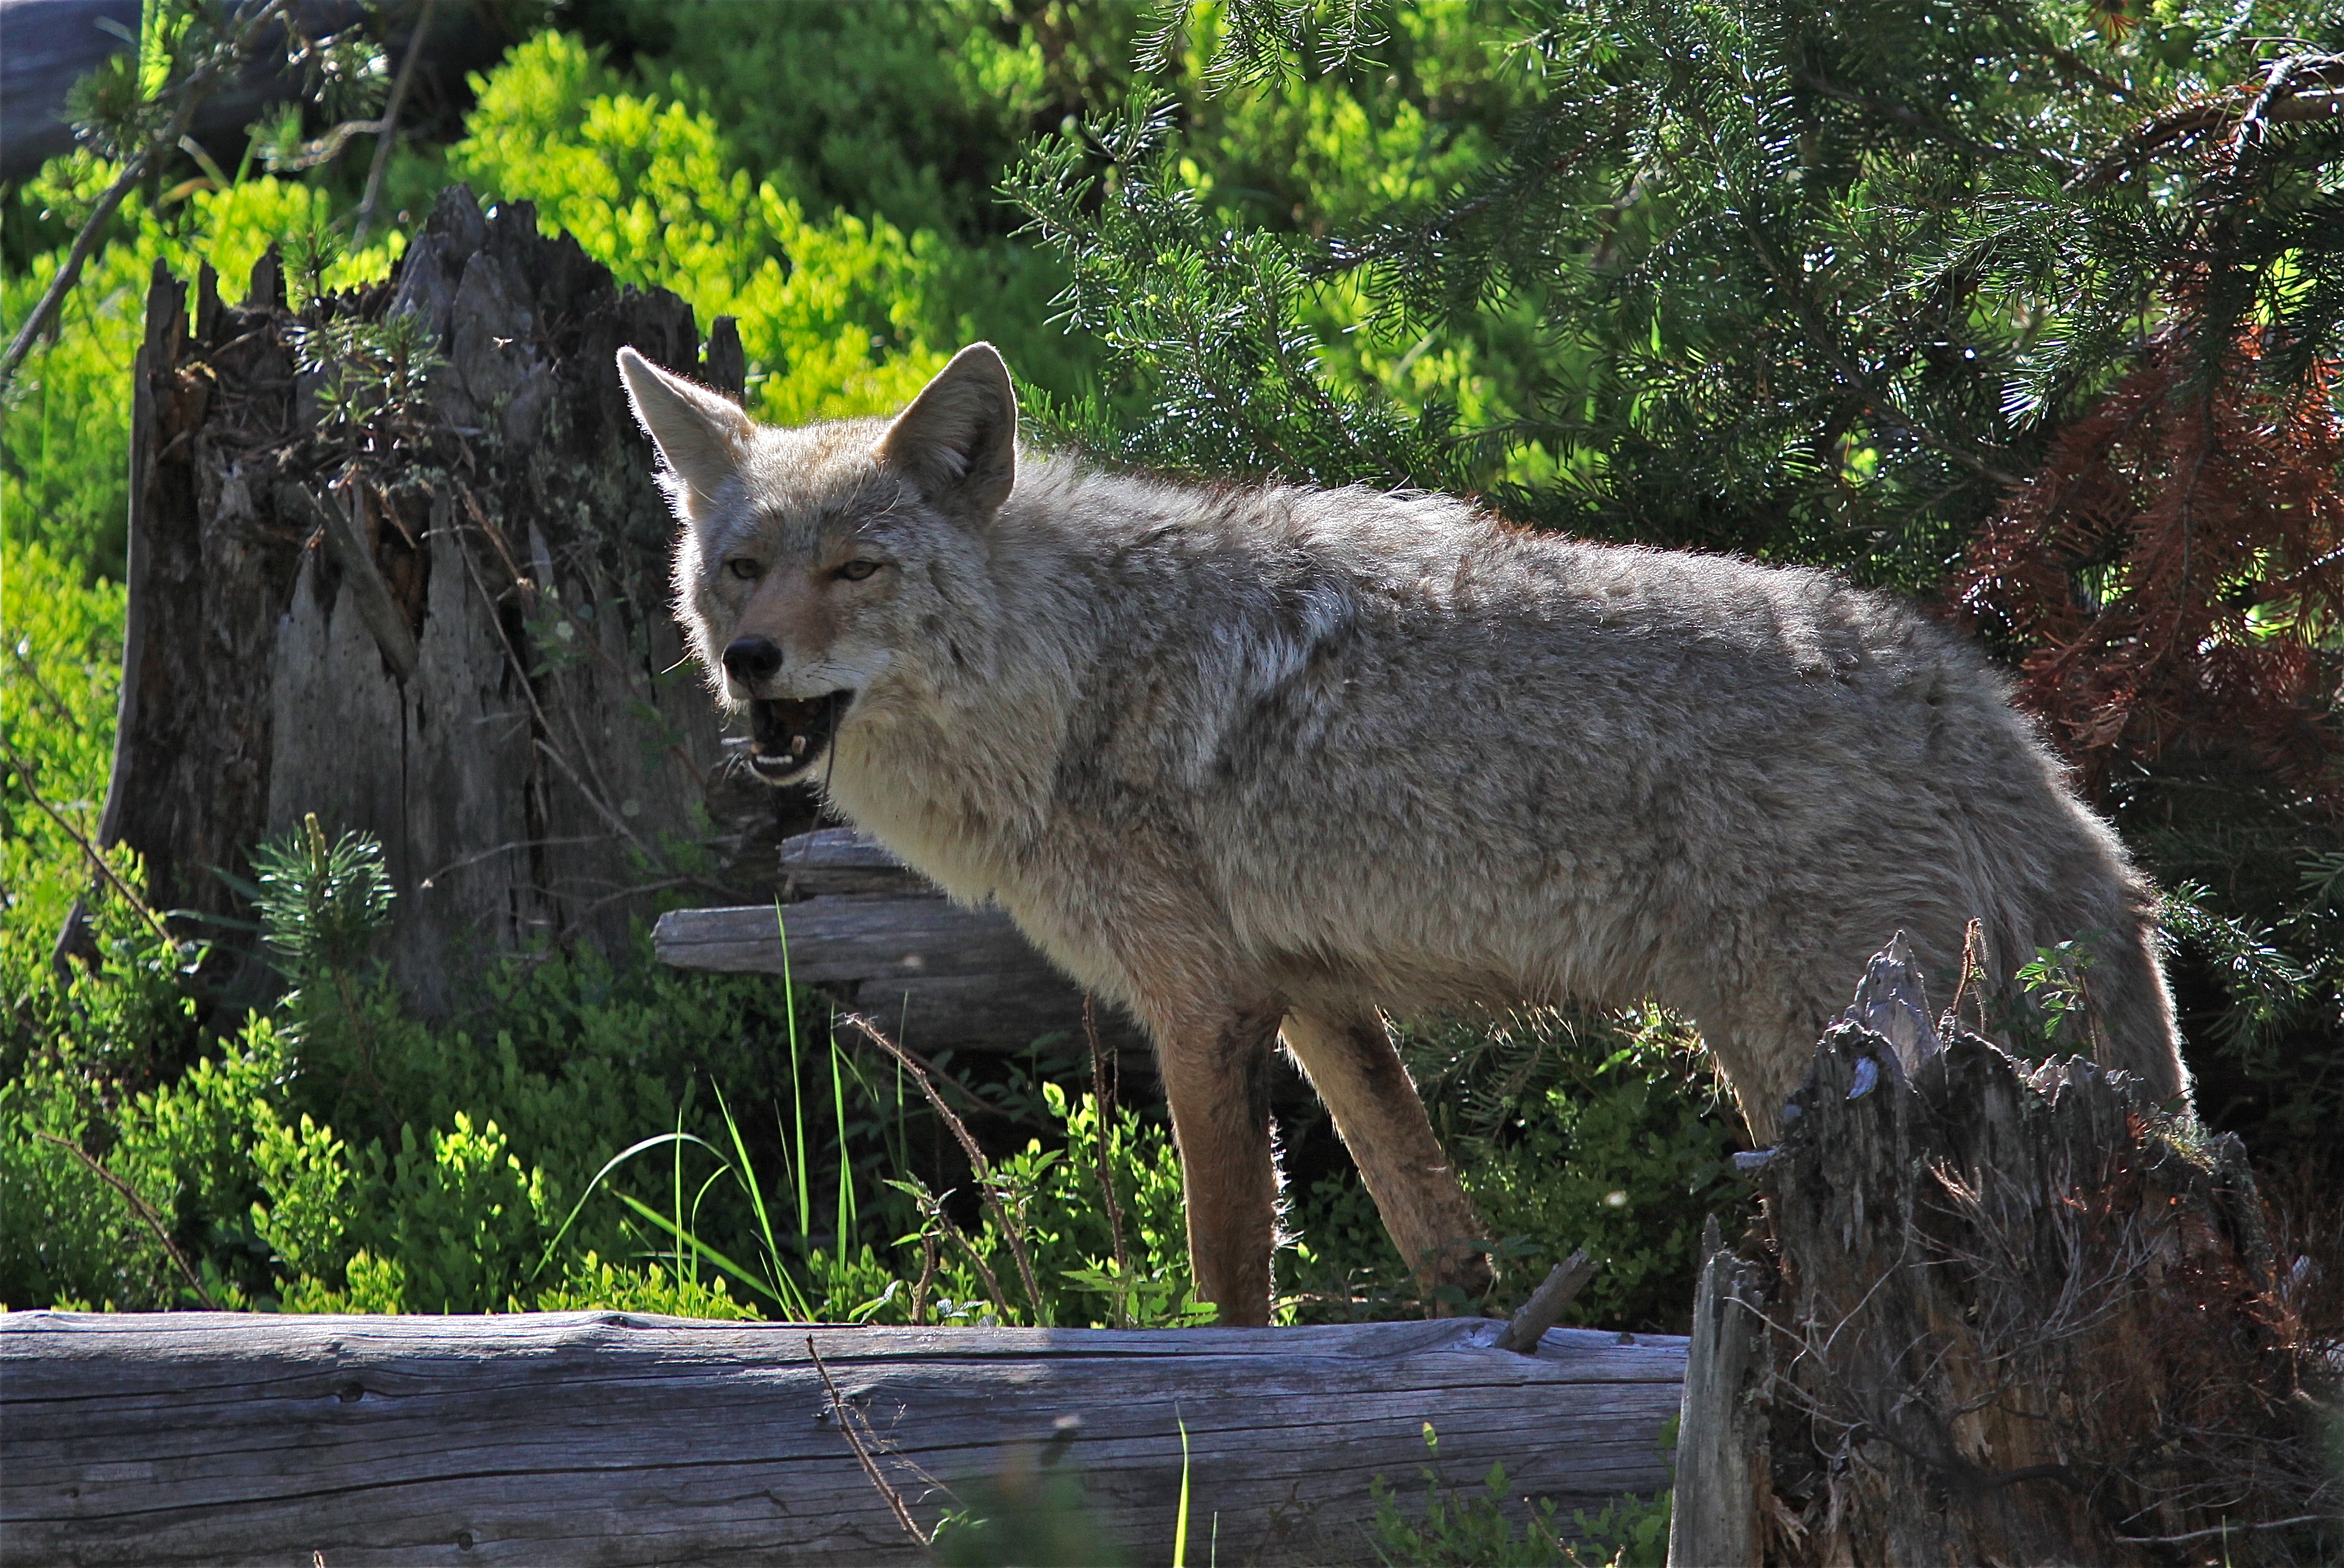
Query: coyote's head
x,y
810,562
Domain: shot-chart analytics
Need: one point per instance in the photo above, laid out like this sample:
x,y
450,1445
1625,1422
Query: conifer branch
x,y
153,147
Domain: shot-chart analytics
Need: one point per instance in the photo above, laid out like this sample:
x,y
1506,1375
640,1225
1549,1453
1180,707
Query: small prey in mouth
x,y
787,736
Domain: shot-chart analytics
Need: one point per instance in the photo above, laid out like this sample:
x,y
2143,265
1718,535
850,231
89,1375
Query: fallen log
x,y
1996,1312
606,1439
888,941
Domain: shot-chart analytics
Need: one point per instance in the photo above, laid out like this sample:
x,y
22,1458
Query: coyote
x,y
1259,760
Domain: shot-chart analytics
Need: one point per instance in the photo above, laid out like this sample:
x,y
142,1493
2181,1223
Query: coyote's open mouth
x,y
787,737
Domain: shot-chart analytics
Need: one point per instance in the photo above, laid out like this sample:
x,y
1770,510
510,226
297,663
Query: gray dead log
x,y
842,860
877,938
474,667
886,941
1989,1312
606,1439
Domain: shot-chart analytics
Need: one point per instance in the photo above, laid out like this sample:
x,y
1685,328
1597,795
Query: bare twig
x,y
522,673
2226,1529
924,1075
1103,1101
509,847
935,1208
927,1279
849,1418
389,134
1973,971
139,1207
89,851
637,890
2297,89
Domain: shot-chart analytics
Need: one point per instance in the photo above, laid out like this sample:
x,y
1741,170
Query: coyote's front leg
x,y
1216,1063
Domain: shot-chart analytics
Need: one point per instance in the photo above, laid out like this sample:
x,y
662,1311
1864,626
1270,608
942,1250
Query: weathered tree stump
x,y
1990,1313
449,631
608,1439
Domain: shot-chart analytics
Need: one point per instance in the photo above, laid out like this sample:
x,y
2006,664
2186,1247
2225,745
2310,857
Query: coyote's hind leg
x,y
1352,1064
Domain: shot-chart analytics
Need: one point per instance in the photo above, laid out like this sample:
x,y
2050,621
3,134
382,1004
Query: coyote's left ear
x,y
958,440
702,435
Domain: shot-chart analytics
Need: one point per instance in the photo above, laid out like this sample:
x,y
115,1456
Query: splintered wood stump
x,y
448,628
607,1439
1990,1312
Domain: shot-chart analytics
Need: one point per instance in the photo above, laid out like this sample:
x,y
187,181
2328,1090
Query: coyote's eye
x,y
746,568
856,571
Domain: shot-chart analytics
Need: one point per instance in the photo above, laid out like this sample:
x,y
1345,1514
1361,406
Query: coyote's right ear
x,y
958,440
700,435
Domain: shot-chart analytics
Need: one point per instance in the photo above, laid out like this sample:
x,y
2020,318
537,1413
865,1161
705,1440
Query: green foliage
x,y
908,107
1477,1529
1807,282
338,1152
830,312
324,903
61,647
593,1284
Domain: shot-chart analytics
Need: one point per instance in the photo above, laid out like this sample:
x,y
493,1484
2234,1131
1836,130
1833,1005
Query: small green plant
x,y
1478,1528
373,375
321,904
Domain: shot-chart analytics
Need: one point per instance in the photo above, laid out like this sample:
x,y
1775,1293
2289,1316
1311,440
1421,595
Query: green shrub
x,y
830,312
1569,1129
1462,1528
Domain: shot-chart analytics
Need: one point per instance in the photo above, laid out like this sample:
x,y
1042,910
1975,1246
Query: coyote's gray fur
x,y
1255,758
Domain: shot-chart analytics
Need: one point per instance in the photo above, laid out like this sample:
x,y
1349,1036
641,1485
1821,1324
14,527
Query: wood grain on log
x,y
1712,1518
842,860
848,939
885,941
606,1439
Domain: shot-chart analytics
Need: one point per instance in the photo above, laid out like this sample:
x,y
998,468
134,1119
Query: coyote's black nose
x,y
749,660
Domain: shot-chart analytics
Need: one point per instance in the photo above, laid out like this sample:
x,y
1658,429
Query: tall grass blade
x,y
675,1188
684,1238
602,1175
845,1166
1180,1524
797,1087
757,1202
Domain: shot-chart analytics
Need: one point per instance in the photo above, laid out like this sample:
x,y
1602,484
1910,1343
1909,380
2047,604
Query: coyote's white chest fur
x,y
1248,758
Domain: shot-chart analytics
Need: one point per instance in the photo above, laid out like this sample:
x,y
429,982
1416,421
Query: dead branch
x,y
848,1418
140,1207
89,851
924,1075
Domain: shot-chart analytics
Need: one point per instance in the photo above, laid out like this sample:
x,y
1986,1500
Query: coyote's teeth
x,y
797,746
